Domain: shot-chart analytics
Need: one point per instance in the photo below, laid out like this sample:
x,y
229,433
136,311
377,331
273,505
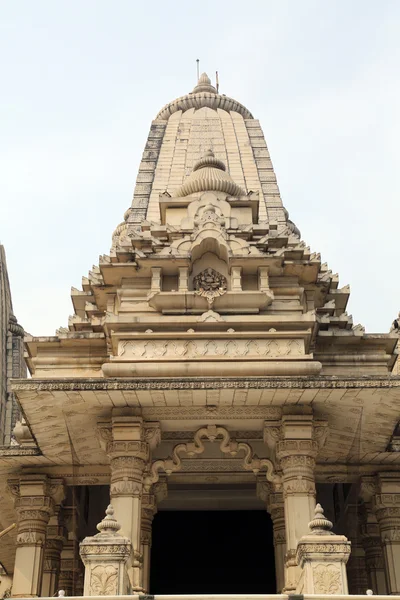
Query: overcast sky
x,y
81,81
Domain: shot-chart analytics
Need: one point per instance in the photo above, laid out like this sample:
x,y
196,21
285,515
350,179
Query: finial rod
x,y
217,81
198,68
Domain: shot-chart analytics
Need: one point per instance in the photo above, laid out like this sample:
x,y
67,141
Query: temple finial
x,y
109,524
320,525
204,85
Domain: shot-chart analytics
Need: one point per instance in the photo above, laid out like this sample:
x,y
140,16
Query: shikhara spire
x,y
180,135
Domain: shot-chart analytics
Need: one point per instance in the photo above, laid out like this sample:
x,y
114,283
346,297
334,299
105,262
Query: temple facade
x,y
211,387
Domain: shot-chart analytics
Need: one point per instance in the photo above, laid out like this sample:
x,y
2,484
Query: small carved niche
x,y
170,283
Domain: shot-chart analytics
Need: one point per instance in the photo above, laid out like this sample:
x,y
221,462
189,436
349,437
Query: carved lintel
x,y
251,462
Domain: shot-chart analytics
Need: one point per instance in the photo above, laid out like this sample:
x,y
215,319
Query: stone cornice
x,y
76,384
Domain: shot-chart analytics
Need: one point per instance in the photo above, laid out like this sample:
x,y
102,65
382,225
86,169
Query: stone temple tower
x,y
213,387
180,135
11,355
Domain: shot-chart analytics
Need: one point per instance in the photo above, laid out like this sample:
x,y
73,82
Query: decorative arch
x,y
173,463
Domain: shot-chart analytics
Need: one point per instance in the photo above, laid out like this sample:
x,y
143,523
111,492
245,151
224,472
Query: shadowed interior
x,y
219,552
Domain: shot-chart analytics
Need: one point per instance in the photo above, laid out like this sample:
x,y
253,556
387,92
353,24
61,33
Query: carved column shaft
x,y
70,563
356,566
34,506
149,509
387,510
373,550
276,507
55,538
297,438
129,451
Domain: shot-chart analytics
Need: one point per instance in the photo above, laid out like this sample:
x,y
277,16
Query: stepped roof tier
x,y
209,307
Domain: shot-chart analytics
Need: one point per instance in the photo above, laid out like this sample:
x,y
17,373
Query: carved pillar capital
x,y
34,505
34,499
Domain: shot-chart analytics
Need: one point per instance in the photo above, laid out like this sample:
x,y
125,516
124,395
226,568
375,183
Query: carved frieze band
x,y
200,348
209,384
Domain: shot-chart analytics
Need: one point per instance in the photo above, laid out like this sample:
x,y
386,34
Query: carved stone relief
x,y
200,348
104,581
210,284
326,579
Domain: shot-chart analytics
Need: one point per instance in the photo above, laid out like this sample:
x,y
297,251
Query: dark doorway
x,y
212,552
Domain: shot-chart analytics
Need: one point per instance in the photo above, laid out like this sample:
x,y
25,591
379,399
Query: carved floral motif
x,y
104,581
326,579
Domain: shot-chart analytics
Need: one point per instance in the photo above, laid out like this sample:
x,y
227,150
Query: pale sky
x,y
81,81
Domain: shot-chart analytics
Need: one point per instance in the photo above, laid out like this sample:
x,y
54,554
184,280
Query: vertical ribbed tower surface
x,y
11,355
180,135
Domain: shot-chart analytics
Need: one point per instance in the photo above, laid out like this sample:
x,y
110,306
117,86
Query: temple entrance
x,y
212,552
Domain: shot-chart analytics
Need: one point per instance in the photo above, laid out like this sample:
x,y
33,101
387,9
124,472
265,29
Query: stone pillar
x,y
105,557
386,504
236,279
374,559
34,506
56,536
371,540
322,556
276,509
129,442
183,285
273,497
356,566
149,509
296,438
69,566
